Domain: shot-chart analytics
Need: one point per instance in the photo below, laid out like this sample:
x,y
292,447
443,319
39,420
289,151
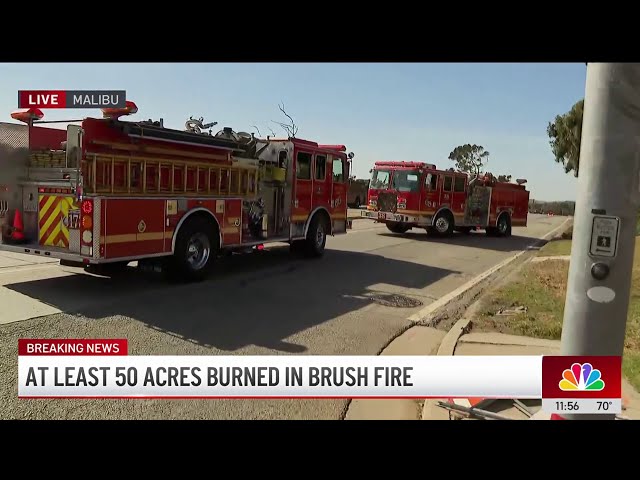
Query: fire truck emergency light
x,y
27,115
87,207
115,113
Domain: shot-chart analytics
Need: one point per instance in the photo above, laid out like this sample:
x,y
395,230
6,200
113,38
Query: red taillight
x,y
87,207
41,190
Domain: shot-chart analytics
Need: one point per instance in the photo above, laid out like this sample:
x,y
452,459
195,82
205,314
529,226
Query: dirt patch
x,y
394,300
534,297
446,318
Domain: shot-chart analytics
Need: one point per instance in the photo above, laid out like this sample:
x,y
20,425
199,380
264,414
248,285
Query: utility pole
x,y
604,230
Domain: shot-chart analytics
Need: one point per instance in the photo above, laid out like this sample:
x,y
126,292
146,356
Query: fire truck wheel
x,y
397,227
196,247
316,236
504,226
443,225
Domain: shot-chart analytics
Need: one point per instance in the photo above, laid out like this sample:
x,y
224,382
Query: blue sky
x,y
381,111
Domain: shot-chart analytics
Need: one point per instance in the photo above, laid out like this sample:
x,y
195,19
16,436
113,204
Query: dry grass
x,y
541,288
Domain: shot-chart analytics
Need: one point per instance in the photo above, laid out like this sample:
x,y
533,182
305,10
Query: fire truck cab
x,y
406,195
107,192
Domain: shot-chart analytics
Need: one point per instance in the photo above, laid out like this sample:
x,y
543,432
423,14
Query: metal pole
x,y
607,204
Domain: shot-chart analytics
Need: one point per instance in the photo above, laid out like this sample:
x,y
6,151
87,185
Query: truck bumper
x,y
392,217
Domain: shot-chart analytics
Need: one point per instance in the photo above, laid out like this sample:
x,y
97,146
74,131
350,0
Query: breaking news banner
x,y
102,368
72,99
574,385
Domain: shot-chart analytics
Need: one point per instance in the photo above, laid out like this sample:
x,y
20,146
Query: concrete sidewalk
x,y
420,340
502,344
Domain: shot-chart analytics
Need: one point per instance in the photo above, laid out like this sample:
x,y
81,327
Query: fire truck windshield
x,y
380,180
406,181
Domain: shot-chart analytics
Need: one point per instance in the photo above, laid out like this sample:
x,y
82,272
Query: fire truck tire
x,y
317,236
196,248
397,227
504,226
443,225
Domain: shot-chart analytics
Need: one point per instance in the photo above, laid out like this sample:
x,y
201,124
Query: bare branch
x,y
272,132
257,130
285,127
292,129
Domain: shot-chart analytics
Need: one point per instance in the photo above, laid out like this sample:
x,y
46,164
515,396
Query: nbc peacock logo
x,y
581,377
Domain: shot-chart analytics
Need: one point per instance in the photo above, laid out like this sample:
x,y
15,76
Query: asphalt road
x,y
351,301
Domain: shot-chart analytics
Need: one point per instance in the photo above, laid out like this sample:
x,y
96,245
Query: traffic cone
x,y
17,231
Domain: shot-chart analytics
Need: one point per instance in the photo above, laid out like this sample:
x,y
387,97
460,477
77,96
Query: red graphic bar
x,y
42,99
68,346
577,377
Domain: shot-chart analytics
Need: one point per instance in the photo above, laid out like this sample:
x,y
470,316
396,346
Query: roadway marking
x,y
432,307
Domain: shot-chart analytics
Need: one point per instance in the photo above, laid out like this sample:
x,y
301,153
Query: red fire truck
x,y
404,195
108,192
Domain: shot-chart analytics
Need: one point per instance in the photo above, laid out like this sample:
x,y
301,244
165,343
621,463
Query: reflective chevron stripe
x,y
52,212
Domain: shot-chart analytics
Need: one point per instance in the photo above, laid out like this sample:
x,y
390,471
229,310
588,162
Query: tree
x,y
469,158
565,134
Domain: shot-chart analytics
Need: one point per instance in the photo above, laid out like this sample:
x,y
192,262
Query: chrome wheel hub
x,y
198,251
442,224
319,235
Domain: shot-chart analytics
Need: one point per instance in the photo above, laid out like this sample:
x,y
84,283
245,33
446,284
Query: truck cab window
x,y
431,182
338,170
303,167
321,167
448,183
406,181
458,185
379,180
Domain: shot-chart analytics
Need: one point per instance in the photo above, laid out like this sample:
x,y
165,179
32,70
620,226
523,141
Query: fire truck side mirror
x,y
350,155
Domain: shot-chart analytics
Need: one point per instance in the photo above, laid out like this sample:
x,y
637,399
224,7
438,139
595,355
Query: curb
x,y
458,292
450,341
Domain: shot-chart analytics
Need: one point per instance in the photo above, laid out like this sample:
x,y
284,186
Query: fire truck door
x,y
303,193
459,197
431,193
339,175
446,190
321,184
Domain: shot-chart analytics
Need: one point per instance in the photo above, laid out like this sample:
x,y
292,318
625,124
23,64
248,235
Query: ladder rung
x,y
133,174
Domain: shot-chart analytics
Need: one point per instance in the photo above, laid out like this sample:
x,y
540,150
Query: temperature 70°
x,y
604,405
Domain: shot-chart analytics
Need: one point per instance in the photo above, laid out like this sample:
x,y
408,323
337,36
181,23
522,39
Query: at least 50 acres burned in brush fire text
x,y
93,376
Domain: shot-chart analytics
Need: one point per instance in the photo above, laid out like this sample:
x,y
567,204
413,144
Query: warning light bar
x,y
55,190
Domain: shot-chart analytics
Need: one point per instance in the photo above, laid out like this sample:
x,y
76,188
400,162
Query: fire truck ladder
x,y
131,175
